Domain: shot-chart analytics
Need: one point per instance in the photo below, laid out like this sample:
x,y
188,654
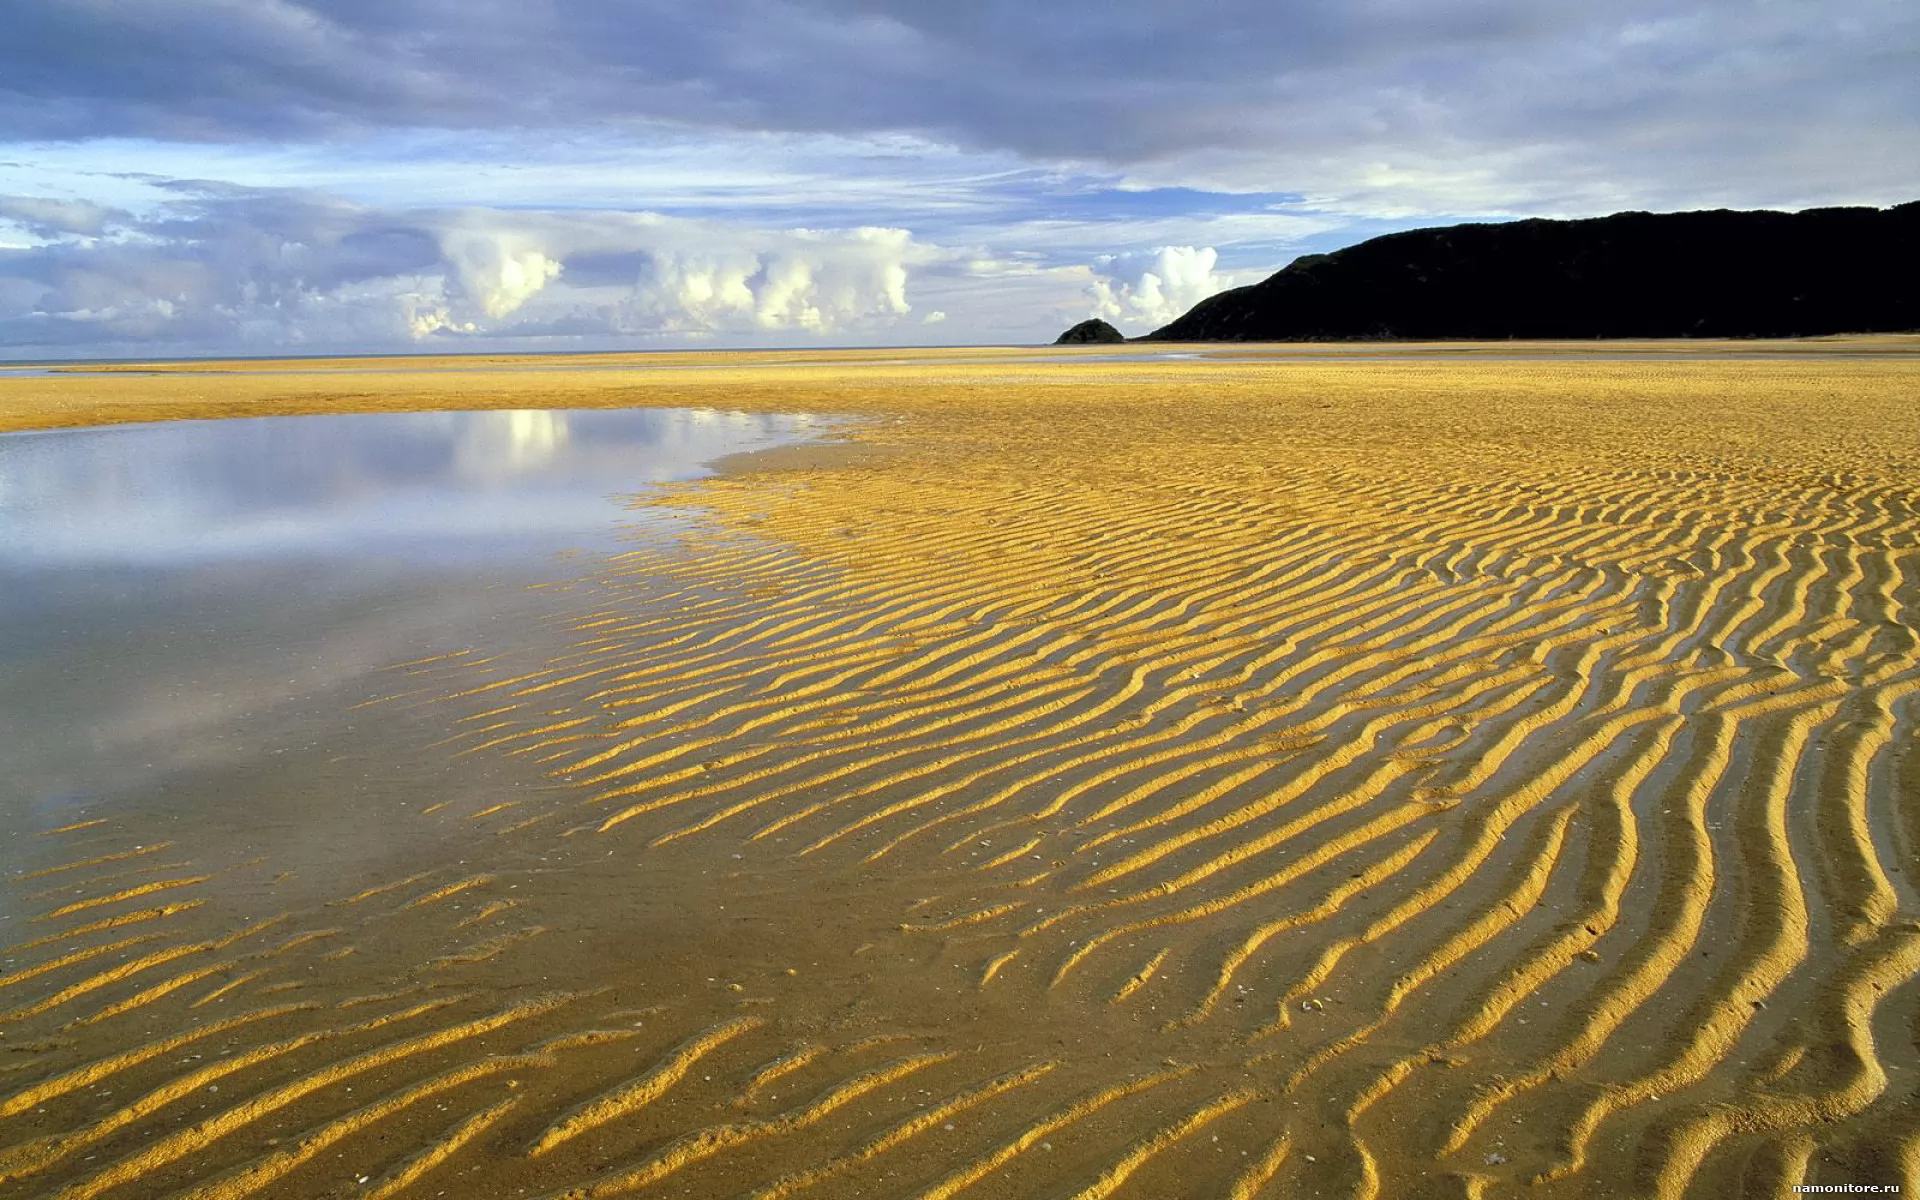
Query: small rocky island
x,y
1087,332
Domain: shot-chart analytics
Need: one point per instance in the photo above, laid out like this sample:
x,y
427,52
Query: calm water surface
x,y
190,611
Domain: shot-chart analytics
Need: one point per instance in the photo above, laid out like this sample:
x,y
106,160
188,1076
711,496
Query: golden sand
x,y
1229,777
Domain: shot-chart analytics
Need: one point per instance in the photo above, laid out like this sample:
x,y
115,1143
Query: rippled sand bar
x,y
1230,777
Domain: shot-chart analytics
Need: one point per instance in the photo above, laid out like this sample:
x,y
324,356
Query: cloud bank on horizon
x,y
250,176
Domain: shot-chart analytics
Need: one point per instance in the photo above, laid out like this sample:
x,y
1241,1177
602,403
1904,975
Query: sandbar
x,y
1248,775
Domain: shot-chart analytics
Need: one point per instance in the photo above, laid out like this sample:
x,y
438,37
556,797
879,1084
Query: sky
x,y
257,177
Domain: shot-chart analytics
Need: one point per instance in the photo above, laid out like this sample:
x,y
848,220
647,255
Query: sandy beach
x,y
1433,772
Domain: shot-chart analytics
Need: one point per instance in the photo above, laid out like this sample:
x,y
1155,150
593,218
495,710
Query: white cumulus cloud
x,y
699,277
497,270
248,269
1155,286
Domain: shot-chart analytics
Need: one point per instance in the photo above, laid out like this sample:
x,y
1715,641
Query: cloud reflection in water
x,y
451,485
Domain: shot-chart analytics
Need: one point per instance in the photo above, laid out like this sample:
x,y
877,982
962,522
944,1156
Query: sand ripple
x,y
1356,783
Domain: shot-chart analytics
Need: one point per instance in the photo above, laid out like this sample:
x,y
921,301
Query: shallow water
x,y
183,602
461,486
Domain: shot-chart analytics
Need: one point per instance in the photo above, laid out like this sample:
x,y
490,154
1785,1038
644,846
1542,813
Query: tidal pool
x,y
189,610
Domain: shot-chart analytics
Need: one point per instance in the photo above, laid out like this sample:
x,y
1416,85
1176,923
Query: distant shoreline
x,y
1847,343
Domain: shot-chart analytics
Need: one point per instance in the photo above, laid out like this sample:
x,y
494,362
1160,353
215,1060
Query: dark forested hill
x,y
1693,274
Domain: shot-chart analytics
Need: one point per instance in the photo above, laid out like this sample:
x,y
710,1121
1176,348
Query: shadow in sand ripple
x,y
1132,794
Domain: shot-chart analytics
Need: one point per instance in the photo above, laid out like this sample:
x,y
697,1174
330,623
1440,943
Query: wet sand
x,y
1200,778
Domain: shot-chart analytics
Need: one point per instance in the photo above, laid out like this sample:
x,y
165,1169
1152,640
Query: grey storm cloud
x,y
1367,114
1113,80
